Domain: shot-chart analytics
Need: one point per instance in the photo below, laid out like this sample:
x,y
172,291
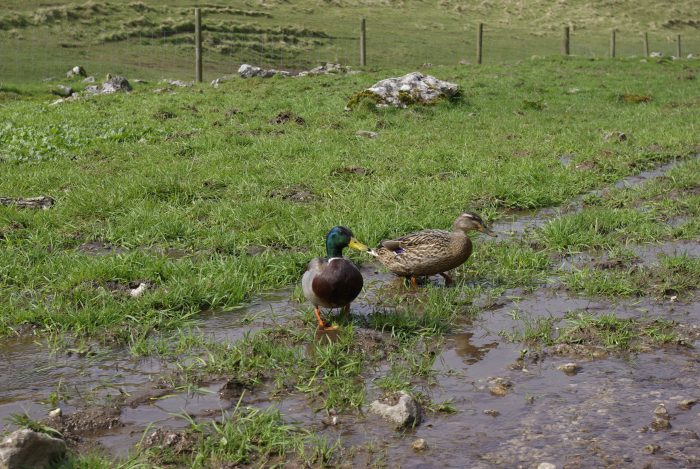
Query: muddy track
x,y
600,416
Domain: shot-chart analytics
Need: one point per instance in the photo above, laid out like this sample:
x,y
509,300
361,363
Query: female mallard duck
x,y
431,252
333,282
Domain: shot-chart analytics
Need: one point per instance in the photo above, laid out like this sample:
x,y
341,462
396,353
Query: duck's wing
x,y
421,238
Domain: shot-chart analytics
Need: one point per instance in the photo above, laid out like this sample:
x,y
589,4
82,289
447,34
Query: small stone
x,y
178,83
419,445
573,90
492,412
62,90
662,420
89,79
569,368
615,136
686,404
55,413
76,71
366,134
138,291
29,449
400,408
546,465
652,449
499,386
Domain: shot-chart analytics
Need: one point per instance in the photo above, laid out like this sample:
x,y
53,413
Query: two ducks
x,y
334,282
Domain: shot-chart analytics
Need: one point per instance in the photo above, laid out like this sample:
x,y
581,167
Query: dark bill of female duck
x,y
333,281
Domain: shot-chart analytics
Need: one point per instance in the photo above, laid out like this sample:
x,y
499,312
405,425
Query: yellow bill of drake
x,y
355,244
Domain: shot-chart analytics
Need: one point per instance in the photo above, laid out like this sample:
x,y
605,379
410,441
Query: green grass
x,y
605,330
672,277
211,184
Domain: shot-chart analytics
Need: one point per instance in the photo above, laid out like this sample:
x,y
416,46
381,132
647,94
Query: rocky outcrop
x,y
250,71
112,84
414,88
325,69
400,408
26,448
42,202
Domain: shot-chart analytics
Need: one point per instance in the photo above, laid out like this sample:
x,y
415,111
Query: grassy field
x,y
203,196
155,39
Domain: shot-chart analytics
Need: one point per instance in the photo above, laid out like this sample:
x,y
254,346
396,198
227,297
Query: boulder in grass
x,y
413,88
26,448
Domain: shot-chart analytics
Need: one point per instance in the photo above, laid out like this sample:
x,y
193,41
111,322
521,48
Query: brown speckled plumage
x,y
430,252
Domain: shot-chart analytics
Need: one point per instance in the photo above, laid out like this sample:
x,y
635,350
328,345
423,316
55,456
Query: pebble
x,y
546,465
419,445
569,368
492,412
55,413
686,404
652,449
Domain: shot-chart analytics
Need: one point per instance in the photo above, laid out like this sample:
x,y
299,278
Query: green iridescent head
x,y
338,238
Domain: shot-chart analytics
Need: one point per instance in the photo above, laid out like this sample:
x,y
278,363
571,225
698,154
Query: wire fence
x,y
150,52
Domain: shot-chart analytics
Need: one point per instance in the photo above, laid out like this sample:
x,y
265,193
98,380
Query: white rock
x,y
249,71
29,449
406,412
411,88
55,413
138,291
546,465
178,83
76,71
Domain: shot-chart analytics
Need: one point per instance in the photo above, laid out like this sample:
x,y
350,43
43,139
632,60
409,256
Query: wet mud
x,y
516,406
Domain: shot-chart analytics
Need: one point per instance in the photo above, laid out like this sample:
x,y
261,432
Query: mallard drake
x,y
431,252
333,281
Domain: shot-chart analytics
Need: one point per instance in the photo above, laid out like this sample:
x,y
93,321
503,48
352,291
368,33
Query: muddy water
x,y
600,416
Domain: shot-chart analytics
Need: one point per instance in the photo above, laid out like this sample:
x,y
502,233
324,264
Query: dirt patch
x,y
352,171
100,248
300,193
177,443
163,115
287,116
633,98
85,422
231,112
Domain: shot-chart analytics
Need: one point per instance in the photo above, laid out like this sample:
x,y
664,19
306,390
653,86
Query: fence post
x,y
678,46
565,41
363,43
198,44
479,42
646,44
612,44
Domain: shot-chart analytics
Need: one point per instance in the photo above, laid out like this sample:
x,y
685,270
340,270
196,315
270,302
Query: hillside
x,y
155,39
